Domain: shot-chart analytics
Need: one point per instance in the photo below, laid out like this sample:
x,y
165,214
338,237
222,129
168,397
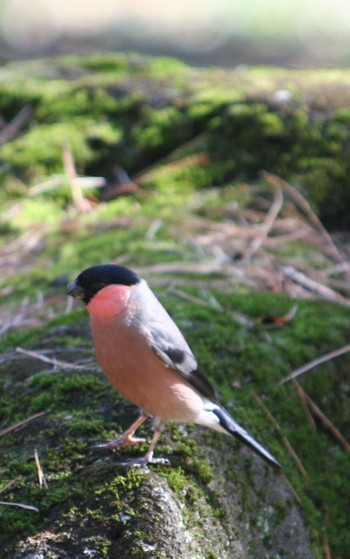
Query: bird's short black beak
x,y
75,290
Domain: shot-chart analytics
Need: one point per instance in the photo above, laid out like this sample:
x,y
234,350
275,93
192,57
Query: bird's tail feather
x,y
229,425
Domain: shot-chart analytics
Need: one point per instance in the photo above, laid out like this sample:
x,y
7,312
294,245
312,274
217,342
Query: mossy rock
x,y
212,126
217,499
133,110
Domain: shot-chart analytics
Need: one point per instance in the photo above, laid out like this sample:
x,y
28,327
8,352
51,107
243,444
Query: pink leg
x,y
148,457
127,438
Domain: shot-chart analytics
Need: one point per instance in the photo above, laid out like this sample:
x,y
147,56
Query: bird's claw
x,y
143,461
160,461
122,442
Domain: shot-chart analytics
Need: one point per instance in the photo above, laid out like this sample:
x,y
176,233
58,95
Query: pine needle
x,y
315,362
285,441
41,476
21,423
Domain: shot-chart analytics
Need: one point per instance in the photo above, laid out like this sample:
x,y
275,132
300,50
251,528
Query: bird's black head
x,y
90,281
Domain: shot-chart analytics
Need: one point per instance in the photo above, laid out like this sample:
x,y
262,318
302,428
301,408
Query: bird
x,y
145,356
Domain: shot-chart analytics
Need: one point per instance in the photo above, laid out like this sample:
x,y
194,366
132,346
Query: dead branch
x,y
10,483
26,242
52,361
326,548
240,250
21,505
81,203
278,428
153,229
301,395
124,186
205,268
212,302
340,285
58,180
168,160
315,362
10,131
301,202
21,423
267,225
11,210
312,285
295,494
276,241
41,476
326,422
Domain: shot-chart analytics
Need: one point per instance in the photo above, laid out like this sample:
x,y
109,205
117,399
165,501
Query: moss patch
x,y
136,111
81,408
133,111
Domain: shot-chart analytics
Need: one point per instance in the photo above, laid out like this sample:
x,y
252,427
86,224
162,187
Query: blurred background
x,y
310,33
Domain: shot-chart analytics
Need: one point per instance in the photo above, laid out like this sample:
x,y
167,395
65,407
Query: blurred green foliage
x,y
133,111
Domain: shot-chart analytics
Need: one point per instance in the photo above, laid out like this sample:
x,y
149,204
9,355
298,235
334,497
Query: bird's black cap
x,y
92,280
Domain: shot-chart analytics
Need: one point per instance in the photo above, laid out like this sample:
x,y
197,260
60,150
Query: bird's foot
x,y
122,442
159,461
143,461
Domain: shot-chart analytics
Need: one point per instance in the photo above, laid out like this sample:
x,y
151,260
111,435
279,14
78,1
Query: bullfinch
x,y
145,356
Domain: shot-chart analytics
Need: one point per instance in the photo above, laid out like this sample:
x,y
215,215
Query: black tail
x,y
228,423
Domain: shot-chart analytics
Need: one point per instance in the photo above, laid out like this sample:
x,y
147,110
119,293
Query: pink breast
x,y
131,366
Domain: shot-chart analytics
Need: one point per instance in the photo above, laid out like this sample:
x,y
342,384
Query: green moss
x,y
120,484
243,131
40,151
42,148
161,67
230,351
243,128
178,481
159,129
34,213
101,62
76,101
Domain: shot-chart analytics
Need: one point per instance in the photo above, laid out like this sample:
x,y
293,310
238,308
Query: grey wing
x,y
170,346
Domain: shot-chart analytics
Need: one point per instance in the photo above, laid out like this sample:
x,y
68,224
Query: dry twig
x,y
301,394
267,225
314,286
10,483
41,476
153,229
316,362
21,423
326,548
278,428
212,302
58,180
51,361
305,207
10,131
295,494
81,203
124,186
170,161
326,422
21,505
239,249
26,242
